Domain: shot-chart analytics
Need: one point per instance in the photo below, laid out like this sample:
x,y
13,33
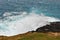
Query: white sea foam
x,y
14,25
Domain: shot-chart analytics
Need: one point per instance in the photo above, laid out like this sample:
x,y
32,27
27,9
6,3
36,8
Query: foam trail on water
x,y
14,25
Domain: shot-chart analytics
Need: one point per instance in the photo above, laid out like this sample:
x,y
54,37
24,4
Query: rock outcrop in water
x,y
53,27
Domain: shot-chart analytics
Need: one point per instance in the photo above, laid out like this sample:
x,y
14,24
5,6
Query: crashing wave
x,y
22,23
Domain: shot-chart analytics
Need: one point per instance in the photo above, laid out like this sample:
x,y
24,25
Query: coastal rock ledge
x,y
53,27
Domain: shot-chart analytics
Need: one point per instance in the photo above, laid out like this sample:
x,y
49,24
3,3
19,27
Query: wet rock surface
x,y
53,27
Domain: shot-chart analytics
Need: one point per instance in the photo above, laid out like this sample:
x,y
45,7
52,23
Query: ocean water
x,y
21,16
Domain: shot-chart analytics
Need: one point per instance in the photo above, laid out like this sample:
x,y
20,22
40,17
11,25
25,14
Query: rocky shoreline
x,y
52,29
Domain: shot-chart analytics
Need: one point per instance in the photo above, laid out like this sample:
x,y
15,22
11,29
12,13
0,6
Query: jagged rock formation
x,y
53,27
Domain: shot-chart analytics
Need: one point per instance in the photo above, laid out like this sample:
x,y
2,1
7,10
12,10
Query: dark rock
x,y
53,27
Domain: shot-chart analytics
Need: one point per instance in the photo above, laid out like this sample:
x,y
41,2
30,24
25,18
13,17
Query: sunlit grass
x,y
39,36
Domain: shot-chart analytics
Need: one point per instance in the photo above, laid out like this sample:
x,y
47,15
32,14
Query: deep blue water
x,y
47,7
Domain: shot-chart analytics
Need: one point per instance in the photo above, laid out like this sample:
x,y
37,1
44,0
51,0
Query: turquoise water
x,y
21,16
47,7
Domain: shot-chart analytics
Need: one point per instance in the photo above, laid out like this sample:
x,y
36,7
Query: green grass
x,y
39,36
